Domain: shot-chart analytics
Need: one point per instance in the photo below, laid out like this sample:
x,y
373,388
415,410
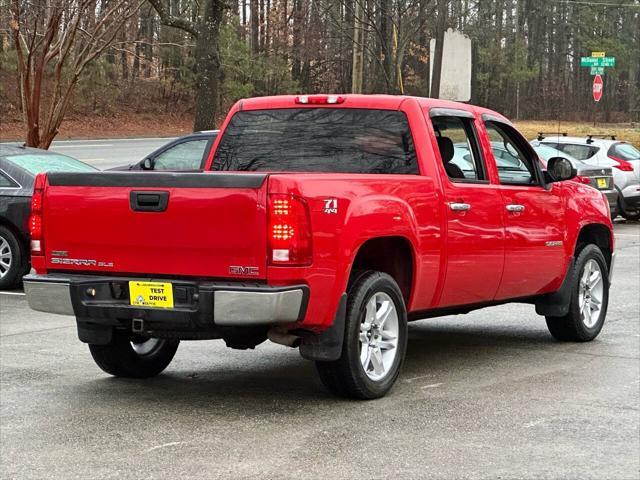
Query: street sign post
x,y
598,86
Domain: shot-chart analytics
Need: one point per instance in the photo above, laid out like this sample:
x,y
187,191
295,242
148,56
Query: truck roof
x,y
387,102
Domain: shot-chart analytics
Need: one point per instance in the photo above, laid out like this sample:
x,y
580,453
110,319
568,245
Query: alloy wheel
x,y
590,293
6,257
379,336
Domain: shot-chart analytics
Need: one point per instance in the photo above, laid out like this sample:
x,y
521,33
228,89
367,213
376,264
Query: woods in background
x,y
203,55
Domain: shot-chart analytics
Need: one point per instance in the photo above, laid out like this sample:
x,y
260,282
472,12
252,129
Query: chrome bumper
x,y
48,296
241,306
256,308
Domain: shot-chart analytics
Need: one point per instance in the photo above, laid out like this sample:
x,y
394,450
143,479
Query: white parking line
x,y
637,235
19,294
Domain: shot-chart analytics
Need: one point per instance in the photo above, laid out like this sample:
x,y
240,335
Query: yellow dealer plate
x,y
602,182
151,294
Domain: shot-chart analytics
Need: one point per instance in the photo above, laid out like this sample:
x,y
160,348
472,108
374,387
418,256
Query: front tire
x,y
589,299
133,356
375,339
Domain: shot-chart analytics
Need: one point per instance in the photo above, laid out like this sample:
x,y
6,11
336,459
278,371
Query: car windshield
x,y
626,151
338,140
36,163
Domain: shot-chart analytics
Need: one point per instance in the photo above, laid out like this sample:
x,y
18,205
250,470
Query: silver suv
x,y
622,157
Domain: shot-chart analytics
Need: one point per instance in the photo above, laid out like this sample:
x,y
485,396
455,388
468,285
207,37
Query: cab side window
x,y
515,167
459,149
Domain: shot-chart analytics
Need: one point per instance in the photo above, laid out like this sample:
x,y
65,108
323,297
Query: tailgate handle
x,y
149,201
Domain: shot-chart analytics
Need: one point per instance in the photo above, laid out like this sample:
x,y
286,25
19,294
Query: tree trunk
x,y
209,74
255,26
358,48
437,60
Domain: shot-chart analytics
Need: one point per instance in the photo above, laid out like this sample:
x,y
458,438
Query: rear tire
x,y
630,215
375,339
589,299
134,357
13,262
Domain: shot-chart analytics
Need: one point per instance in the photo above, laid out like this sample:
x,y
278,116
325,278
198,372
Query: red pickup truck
x,y
324,222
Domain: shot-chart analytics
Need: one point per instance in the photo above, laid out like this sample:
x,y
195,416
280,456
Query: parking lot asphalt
x,y
485,395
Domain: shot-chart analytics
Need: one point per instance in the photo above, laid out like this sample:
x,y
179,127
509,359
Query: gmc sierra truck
x,y
324,223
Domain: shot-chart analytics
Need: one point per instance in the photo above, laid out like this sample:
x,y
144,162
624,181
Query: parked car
x,y
186,153
18,168
327,223
622,157
600,178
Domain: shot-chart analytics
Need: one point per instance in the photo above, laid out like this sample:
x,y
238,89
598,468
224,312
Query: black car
x,y
186,153
18,169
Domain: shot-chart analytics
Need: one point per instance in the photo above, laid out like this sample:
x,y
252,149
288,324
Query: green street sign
x,y
597,61
597,70
589,61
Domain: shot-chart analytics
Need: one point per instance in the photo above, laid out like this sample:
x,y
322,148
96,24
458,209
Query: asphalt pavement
x,y
485,395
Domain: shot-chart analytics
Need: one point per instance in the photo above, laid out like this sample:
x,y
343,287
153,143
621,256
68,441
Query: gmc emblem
x,y
246,271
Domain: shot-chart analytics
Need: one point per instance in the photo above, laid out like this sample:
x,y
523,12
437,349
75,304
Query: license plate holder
x,y
601,182
151,294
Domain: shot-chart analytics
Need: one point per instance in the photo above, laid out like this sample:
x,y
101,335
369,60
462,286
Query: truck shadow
x,y
274,381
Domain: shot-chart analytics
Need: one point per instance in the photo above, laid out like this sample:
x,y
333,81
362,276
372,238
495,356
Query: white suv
x,y
622,157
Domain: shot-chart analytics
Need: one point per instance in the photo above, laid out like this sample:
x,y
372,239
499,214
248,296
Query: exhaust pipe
x,y
283,337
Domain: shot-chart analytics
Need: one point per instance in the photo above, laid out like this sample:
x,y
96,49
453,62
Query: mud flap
x,y
557,304
327,346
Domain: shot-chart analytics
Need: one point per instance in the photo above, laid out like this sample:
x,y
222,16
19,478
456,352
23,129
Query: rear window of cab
x,y
341,140
36,163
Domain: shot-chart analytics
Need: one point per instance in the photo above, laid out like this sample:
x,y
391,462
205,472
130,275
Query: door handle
x,y
459,207
147,201
515,208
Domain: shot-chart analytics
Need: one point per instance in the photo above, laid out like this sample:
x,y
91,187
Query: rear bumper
x,y
198,306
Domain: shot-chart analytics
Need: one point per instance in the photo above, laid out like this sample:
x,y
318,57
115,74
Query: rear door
x,y
475,231
533,216
161,224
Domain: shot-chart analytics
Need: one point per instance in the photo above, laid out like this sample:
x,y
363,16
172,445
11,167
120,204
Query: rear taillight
x,y
35,220
289,230
584,180
621,164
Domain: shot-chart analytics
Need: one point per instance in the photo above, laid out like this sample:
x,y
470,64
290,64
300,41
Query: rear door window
x,y
318,140
458,148
6,182
581,152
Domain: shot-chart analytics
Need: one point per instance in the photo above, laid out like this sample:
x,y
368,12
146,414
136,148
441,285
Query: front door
x,y
535,261
475,232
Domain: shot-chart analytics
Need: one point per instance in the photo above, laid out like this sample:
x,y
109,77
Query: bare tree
x,y
54,42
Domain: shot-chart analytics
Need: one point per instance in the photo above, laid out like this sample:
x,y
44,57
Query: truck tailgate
x,y
186,224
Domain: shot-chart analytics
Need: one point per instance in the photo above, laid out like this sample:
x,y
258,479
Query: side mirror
x,y
147,164
560,169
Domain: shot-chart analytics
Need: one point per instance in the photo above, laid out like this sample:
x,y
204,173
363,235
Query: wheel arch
x,y
598,234
394,255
